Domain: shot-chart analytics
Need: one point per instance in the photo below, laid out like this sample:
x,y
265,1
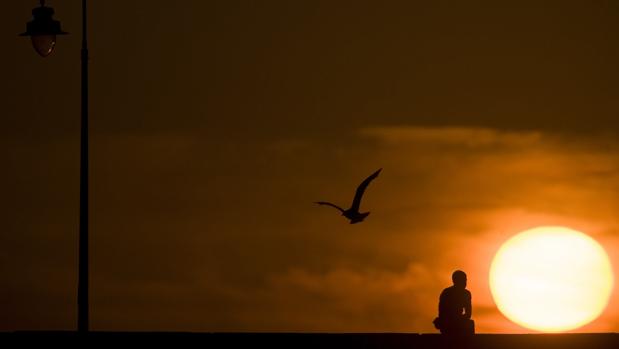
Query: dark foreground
x,y
315,340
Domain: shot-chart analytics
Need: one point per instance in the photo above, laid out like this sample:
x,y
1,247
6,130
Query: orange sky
x,y
213,135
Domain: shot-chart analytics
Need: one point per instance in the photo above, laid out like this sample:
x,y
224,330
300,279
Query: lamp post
x,y
43,31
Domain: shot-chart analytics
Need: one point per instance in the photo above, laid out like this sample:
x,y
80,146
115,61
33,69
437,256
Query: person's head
x,y
459,279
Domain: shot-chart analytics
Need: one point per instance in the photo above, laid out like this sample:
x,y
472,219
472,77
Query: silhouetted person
x,y
353,212
454,308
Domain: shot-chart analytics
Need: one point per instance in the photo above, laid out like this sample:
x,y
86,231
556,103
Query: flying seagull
x,y
353,212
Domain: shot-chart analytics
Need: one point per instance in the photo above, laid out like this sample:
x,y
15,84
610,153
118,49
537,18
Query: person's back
x,y
454,302
454,308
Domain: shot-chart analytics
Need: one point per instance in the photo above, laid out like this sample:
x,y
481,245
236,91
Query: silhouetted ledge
x,y
320,340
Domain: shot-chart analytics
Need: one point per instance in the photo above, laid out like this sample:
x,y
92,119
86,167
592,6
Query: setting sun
x,y
551,279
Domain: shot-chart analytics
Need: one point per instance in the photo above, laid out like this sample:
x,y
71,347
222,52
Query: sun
x,y
551,279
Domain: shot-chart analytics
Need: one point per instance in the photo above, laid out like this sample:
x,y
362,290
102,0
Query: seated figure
x,y
454,308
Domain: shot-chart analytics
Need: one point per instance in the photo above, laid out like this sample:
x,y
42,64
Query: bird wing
x,y
361,189
329,204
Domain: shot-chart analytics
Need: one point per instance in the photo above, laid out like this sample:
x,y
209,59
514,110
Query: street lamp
x,y
43,31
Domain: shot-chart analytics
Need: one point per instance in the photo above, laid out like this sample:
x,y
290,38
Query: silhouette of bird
x,y
353,212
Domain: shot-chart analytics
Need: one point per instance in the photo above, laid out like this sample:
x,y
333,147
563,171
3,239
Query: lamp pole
x,y
43,30
82,283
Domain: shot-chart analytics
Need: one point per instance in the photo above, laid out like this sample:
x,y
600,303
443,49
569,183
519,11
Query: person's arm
x,y
441,303
468,309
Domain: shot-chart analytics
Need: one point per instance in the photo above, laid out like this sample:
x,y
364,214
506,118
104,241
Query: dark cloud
x,y
181,231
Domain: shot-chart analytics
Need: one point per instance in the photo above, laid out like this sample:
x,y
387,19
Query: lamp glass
x,y
44,44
